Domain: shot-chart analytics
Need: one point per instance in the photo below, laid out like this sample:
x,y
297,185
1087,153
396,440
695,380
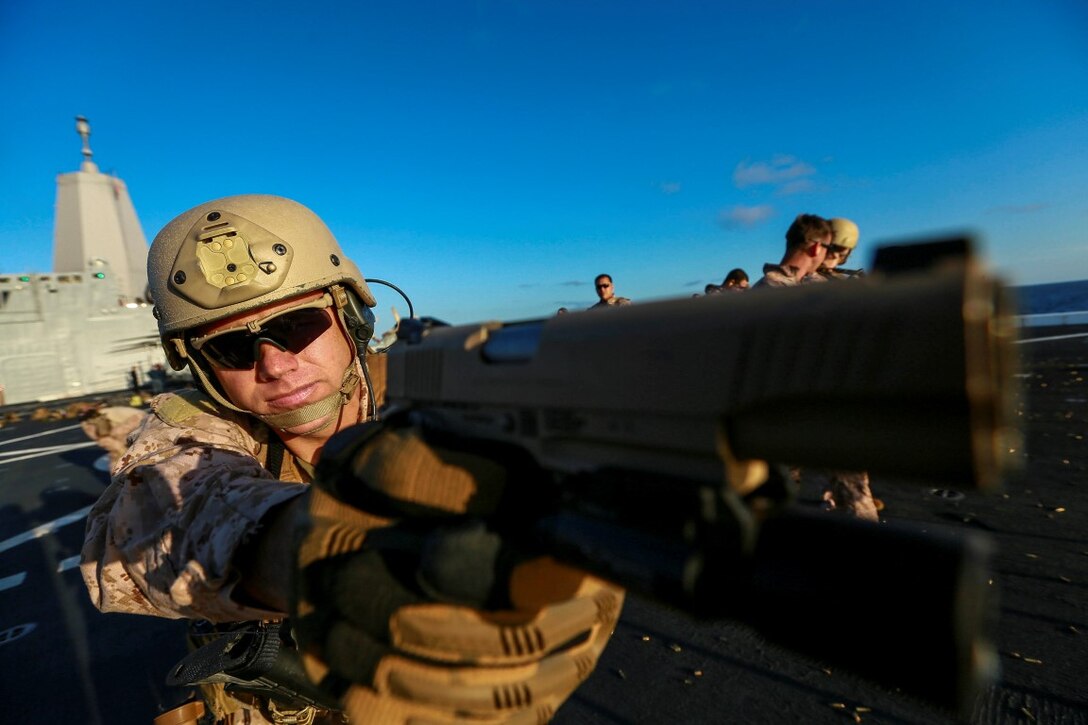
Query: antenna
x,y
83,128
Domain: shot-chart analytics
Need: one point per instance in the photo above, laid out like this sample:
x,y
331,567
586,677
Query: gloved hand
x,y
411,607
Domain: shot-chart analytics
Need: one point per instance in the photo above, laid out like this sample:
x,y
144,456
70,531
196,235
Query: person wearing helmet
x,y
807,241
810,243
215,507
845,491
844,240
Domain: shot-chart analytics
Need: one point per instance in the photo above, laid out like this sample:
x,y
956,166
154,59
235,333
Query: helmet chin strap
x,y
326,407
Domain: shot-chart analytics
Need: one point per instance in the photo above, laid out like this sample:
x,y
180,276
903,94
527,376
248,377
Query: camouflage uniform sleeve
x,y
185,496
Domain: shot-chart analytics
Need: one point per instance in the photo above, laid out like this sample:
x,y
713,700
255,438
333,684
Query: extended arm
x,y
164,537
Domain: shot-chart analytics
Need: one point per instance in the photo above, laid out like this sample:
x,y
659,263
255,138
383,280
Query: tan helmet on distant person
x,y
241,253
844,233
844,236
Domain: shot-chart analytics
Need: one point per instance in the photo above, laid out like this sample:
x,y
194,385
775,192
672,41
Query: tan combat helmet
x,y
844,233
241,253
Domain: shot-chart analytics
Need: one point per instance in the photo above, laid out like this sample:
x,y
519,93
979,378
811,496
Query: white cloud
x,y
781,169
797,186
744,216
670,187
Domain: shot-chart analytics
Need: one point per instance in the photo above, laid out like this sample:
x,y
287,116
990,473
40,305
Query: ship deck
x,y
62,661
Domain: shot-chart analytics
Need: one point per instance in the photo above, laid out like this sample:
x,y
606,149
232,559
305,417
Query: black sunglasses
x,y
291,330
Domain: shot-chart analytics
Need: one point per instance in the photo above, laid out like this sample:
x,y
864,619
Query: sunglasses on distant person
x,y
291,330
603,286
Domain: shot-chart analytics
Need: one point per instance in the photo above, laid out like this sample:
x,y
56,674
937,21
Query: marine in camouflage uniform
x,y
162,540
844,240
214,506
612,302
784,275
847,491
187,493
809,242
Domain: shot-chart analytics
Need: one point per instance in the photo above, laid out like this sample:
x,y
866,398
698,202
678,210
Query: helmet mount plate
x,y
225,260
228,262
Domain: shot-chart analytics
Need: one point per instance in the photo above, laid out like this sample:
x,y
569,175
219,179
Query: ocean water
x,y
1039,299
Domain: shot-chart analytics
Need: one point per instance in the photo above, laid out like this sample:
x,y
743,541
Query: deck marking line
x,y
47,528
10,582
38,435
59,449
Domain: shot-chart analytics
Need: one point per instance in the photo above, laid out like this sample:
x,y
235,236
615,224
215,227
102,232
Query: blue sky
x,y
492,157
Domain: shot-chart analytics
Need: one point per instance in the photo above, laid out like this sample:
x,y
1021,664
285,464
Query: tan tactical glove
x,y
413,609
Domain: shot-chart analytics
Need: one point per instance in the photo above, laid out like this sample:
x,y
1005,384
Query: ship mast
x,y
96,229
83,128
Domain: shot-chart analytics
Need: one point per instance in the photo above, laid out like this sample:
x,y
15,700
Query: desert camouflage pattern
x,y
110,427
192,488
843,491
183,498
846,492
242,708
612,302
849,491
777,275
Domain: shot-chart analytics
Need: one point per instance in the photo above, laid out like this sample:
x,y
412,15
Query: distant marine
x,y
87,326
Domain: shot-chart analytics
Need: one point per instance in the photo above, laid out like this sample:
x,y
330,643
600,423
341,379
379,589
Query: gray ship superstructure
x,y
84,327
